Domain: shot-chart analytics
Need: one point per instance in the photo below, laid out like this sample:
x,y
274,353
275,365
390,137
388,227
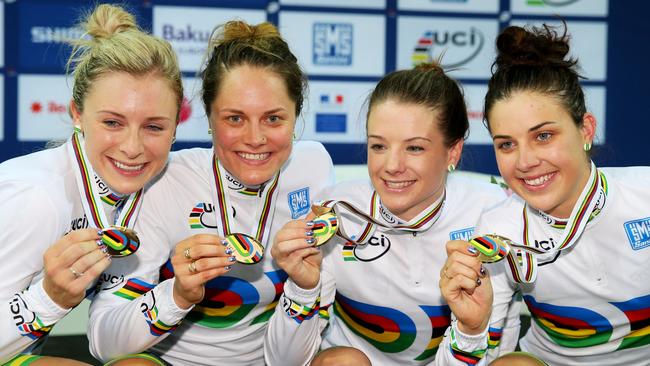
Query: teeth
x,y
538,181
127,167
254,156
398,185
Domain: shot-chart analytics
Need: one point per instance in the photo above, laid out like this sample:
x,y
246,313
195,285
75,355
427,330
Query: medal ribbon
x,y
90,198
266,207
523,265
421,222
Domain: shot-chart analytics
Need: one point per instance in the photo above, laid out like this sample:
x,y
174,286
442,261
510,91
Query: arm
x,y
32,239
293,333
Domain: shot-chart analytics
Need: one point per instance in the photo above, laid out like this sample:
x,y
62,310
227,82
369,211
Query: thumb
x,y
310,216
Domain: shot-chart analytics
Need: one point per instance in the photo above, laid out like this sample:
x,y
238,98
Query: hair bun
x,y
107,20
238,30
430,66
533,47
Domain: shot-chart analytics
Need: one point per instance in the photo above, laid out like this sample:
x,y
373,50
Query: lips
x,y
391,184
127,168
538,181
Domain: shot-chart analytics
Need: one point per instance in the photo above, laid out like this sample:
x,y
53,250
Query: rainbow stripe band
x,y
470,358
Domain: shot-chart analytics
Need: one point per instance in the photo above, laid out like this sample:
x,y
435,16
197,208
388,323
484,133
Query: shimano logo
x,y
55,34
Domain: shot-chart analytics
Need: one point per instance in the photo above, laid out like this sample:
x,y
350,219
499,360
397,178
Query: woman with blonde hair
x,y
65,211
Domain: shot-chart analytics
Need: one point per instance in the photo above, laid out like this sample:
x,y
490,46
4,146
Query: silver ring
x,y
186,253
192,267
75,273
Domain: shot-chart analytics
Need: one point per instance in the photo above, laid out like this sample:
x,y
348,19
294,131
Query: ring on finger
x,y
444,273
192,267
75,273
186,253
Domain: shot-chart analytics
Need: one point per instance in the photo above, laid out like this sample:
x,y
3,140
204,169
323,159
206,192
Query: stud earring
x,y
173,139
209,131
451,167
586,146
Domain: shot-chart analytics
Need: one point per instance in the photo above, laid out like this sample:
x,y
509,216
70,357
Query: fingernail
x,y
103,249
108,256
309,233
310,241
229,250
478,282
472,250
99,242
224,242
100,232
232,258
483,272
310,223
228,268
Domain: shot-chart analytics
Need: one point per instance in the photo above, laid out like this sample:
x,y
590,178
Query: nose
x,y
132,145
254,135
527,158
394,162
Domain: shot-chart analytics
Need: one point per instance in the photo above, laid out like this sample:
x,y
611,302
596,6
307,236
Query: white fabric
x,y
583,284
118,326
395,276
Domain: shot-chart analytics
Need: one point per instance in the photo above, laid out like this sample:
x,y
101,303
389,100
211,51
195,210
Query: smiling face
x,y
539,150
128,124
407,157
252,120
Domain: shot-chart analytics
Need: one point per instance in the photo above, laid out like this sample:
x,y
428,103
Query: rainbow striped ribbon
x,y
265,209
523,265
421,222
90,197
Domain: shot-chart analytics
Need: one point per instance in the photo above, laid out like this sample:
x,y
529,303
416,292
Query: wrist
x,y
470,330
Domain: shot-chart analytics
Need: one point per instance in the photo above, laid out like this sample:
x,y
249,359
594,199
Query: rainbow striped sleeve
x,y
133,289
300,312
469,358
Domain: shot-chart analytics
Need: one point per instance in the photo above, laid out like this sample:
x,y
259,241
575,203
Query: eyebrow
x,y
534,128
238,111
407,140
119,115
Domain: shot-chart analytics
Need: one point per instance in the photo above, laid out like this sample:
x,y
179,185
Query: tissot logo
x,y
332,44
464,44
551,2
42,34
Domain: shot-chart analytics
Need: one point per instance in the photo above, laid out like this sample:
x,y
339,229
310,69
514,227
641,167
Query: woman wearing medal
x,y
204,269
61,207
379,287
586,292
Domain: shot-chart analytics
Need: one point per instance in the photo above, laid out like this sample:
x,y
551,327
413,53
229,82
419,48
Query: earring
x,y
586,146
451,167
209,131
173,139
77,128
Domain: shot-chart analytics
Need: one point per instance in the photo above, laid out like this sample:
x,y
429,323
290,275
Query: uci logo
x,y
387,216
109,281
374,249
545,244
460,46
79,223
233,183
198,218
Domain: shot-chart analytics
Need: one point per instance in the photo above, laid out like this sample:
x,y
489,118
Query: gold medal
x,y
325,226
120,241
245,248
493,248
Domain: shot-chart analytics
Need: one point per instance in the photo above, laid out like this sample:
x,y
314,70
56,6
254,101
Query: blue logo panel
x,y
331,122
299,202
462,234
332,44
638,233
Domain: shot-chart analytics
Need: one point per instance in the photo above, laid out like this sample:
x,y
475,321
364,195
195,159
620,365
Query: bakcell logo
x,y
467,44
332,44
42,34
550,2
186,111
38,107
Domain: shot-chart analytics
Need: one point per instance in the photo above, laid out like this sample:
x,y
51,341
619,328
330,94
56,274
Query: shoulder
x,y
353,191
309,163
506,212
184,167
629,176
474,189
47,171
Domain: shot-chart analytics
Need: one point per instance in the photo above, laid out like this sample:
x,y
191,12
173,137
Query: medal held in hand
x,y
246,249
493,248
120,241
325,226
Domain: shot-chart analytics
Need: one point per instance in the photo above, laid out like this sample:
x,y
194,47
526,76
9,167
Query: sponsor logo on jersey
x,y
299,202
546,244
201,216
79,223
108,281
332,44
373,249
469,42
462,234
233,183
638,233
387,216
